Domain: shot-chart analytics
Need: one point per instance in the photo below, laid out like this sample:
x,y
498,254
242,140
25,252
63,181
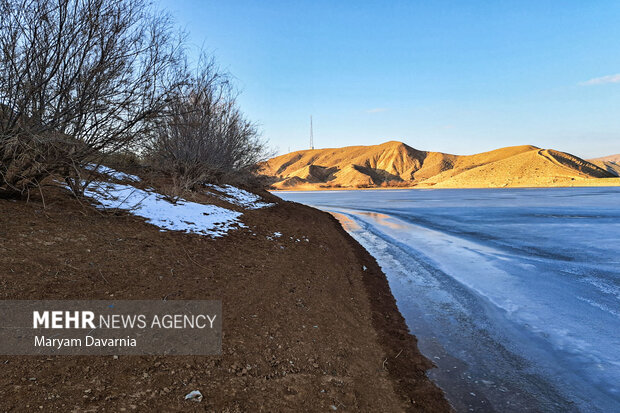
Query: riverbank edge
x,y
405,364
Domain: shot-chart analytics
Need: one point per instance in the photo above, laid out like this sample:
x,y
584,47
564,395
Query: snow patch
x,y
112,173
274,236
183,216
240,197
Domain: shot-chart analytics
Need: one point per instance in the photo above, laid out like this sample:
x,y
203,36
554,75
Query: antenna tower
x,y
311,134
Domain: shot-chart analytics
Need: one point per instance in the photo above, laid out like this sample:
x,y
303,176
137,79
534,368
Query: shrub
x,y
78,79
205,138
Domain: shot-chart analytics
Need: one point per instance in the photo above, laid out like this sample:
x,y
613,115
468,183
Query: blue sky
x,y
452,76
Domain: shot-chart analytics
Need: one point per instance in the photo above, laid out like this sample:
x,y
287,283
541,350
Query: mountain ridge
x,y
396,164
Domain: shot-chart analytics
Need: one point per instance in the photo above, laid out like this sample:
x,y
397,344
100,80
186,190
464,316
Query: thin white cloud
x,y
376,110
602,80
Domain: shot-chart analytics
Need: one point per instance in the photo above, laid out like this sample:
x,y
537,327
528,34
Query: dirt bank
x,y
306,328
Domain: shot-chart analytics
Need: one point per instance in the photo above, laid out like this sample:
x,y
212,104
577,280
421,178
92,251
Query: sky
x,y
453,76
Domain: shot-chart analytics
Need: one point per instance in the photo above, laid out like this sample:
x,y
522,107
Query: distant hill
x,y
397,164
610,163
610,158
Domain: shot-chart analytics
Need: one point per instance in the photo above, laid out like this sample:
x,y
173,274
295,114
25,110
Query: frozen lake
x,y
513,293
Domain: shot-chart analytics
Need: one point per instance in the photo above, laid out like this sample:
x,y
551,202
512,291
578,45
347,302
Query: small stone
x,y
194,396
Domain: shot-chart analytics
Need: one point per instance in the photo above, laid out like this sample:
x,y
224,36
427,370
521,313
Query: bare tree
x,y
78,79
205,137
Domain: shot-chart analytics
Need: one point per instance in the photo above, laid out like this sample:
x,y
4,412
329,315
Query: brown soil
x,y
305,327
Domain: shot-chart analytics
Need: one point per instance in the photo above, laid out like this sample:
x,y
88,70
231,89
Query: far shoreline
x,y
616,184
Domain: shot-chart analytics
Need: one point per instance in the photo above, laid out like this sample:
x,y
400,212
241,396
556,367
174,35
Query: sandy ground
x,y
306,328
611,182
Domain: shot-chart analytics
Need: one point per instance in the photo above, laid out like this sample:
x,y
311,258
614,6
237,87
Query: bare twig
x,y
192,260
104,279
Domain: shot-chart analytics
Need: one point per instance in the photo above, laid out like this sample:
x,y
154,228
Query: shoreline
x,y
398,341
615,184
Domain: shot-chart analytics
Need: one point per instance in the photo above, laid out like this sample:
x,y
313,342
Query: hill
x,y
610,163
610,158
397,164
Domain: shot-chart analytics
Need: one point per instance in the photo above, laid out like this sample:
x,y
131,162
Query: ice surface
x,y
240,197
183,216
515,293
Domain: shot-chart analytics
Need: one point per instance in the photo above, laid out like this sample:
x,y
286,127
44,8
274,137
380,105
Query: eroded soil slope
x,y
306,328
